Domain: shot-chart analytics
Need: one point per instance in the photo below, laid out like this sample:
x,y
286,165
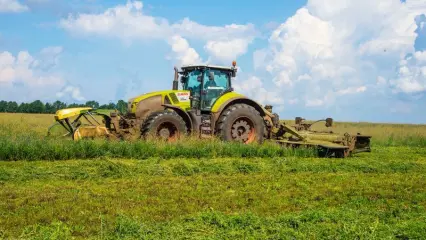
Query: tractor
x,y
206,106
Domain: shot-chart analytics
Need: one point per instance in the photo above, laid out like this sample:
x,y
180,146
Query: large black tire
x,y
242,123
167,125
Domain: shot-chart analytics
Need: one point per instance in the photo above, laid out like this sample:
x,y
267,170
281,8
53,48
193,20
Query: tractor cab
x,y
206,83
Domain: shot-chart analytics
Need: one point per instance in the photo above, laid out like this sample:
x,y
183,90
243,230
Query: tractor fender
x,y
182,113
238,99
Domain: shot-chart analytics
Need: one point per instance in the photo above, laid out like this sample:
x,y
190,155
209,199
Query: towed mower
x,y
206,106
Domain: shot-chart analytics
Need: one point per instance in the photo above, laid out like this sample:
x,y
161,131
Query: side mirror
x,y
183,79
234,73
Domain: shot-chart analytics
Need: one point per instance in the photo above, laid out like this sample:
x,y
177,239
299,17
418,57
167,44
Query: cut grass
x,y
336,223
410,160
357,201
208,189
380,195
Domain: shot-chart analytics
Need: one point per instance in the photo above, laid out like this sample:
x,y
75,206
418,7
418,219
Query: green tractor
x,y
205,105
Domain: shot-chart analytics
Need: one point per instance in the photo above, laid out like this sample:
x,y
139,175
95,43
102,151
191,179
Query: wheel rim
x,y
243,130
167,131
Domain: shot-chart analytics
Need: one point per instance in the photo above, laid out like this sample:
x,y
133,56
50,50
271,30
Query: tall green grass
x,y
414,140
30,148
22,137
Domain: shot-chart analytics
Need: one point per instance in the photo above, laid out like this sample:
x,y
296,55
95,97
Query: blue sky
x,y
352,60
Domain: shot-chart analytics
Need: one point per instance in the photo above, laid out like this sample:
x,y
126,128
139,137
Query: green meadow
x,y
60,189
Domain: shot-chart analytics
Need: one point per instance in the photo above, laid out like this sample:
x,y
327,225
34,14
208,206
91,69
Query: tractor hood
x,y
155,100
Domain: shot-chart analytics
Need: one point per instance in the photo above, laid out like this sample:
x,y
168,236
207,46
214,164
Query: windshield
x,y
216,79
215,83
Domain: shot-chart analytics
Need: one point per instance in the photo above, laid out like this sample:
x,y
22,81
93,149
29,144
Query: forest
x,y
38,106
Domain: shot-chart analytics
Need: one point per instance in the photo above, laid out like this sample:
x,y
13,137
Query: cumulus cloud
x,y
226,51
26,78
182,52
12,6
123,21
411,76
71,91
253,87
129,22
333,48
22,69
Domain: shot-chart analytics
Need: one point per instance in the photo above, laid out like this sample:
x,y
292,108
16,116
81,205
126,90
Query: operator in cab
x,y
210,82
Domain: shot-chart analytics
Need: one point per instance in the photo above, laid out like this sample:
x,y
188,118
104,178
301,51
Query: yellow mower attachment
x,y
71,120
70,112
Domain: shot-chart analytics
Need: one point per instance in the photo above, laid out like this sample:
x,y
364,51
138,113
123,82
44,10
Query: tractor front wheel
x,y
241,123
166,125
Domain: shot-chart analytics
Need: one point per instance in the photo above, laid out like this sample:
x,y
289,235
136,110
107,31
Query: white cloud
x,y
12,6
129,22
351,90
411,77
24,77
191,29
183,53
331,48
23,69
71,91
123,21
420,56
227,51
253,88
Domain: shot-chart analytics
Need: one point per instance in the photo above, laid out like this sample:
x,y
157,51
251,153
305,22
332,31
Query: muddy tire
x,y
166,125
241,123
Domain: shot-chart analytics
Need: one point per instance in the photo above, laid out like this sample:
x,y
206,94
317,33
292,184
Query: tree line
x,y
39,107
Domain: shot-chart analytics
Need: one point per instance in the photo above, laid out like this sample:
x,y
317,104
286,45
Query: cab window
x,y
216,79
216,82
193,82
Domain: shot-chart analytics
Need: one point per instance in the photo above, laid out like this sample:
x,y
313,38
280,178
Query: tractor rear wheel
x,y
166,125
241,123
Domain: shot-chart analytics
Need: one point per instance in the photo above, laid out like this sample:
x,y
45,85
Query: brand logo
x,y
183,96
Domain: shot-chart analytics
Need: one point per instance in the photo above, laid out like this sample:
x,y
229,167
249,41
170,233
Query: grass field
x,y
52,189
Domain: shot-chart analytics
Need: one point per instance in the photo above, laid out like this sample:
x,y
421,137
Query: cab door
x,y
215,83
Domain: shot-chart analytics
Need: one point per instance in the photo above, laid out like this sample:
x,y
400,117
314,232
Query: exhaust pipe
x,y
175,80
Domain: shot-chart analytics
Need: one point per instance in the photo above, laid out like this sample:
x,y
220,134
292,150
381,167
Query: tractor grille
x,y
174,98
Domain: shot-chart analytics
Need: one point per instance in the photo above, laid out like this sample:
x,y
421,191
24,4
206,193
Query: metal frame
x,y
70,126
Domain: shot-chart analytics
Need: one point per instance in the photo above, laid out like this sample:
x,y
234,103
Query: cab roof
x,y
198,66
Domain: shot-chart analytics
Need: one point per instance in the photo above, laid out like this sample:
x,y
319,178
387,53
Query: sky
x,y
353,60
